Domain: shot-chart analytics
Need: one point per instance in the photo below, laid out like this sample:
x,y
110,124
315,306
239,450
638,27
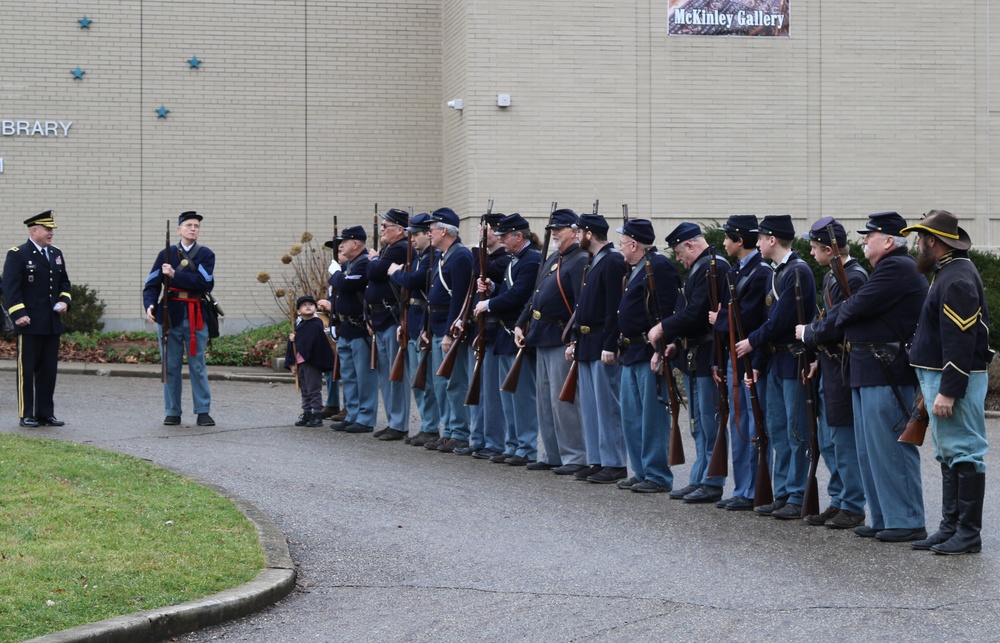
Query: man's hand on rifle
x,y
608,358
654,334
743,347
750,378
394,268
149,314
519,337
800,330
719,379
482,307
671,350
570,350
484,285
813,367
457,327
654,362
713,315
167,270
399,336
446,342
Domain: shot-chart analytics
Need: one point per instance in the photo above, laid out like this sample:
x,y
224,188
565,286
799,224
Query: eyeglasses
x,y
623,244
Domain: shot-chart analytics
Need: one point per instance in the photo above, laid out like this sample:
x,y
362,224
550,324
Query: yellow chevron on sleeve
x,y
963,324
66,295
13,309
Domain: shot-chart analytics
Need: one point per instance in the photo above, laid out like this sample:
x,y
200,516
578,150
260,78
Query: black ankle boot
x,y
304,419
971,492
949,510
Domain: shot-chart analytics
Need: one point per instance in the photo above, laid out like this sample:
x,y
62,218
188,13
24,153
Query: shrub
x,y
85,313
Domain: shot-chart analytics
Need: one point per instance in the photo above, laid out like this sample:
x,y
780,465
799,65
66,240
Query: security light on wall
x,y
455,103
503,100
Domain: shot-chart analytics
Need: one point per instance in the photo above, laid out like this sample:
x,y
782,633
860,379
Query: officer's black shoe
x,y
586,472
29,421
304,419
51,421
569,469
315,421
340,425
204,419
608,475
517,461
767,510
540,466
790,511
738,503
171,420
390,435
358,428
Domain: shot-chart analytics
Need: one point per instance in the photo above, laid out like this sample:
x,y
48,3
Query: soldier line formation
x,y
509,346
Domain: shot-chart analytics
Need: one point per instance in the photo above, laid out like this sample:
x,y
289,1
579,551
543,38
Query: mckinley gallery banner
x,y
727,17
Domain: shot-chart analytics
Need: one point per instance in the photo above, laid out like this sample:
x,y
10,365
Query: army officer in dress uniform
x,y
37,292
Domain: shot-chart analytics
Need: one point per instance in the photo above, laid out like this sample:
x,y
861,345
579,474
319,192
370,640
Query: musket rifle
x,y
333,304
373,358
763,492
165,324
514,374
424,343
718,466
568,391
810,502
472,396
675,448
399,363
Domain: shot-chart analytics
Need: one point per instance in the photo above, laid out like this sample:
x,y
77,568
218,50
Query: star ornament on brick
x,y
194,62
84,22
78,74
161,112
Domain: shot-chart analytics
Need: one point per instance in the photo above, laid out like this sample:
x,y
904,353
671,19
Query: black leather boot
x,y
971,492
949,510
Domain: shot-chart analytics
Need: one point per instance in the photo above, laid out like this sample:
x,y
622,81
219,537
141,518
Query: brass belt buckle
x,y
584,330
536,315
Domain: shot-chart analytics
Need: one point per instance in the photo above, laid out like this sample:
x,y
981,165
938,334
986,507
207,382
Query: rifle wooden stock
x,y
335,375
568,391
838,264
763,491
165,325
420,375
398,370
675,450
336,366
373,356
810,501
475,384
448,363
916,426
509,384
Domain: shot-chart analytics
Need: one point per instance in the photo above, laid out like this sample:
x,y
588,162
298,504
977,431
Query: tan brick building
x,y
302,109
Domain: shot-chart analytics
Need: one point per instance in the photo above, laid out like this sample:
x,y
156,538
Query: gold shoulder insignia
x,y
14,249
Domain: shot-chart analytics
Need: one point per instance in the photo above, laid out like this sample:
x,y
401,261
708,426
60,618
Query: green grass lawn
x,y
87,534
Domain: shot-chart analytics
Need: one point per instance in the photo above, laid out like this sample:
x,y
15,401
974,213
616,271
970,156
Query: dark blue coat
x,y
512,294
32,286
350,284
381,295
446,298
195,278
751,282
884,310
824,336
690,322
312,344
636,314
597,307
771,340
953,333
554,299
417,281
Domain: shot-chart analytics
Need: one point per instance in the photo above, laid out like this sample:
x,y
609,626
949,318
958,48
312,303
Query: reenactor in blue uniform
x,y
486,436
508,299
384,309
836,416
689,335
595,350
417,282
450,280
776,351
191,269
951,352
36,292
353,339
751,278
549,310
645,423
878,321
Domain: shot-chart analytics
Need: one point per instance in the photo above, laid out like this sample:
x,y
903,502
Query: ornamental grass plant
x,y
87,534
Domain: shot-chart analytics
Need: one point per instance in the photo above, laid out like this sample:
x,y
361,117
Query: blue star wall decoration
x,y
161,112
84,22
194,62
78,74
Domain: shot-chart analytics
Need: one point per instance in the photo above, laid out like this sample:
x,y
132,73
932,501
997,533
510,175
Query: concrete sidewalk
x,y
219,373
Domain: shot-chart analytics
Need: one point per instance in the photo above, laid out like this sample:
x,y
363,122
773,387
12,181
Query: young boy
x,y
309,354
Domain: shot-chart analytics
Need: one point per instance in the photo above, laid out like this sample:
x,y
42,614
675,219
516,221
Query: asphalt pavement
x,y
396,543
